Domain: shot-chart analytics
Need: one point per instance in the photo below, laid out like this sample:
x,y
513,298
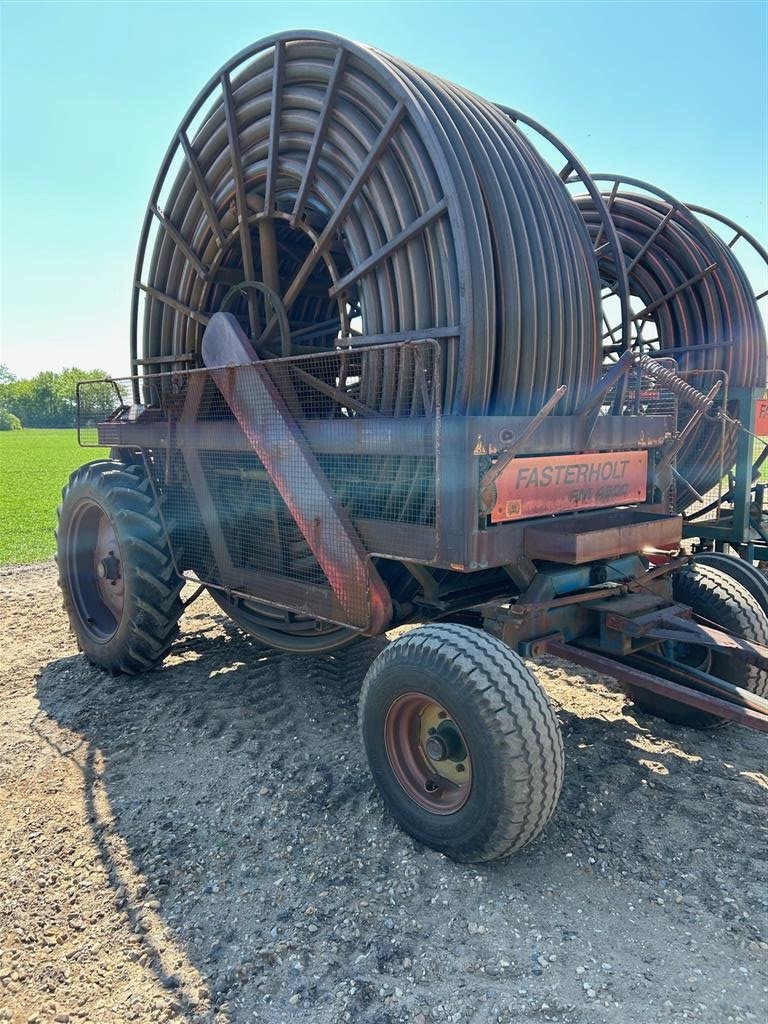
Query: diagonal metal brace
x,y
655,684
688,632
488,481
674,624
590,408
266,421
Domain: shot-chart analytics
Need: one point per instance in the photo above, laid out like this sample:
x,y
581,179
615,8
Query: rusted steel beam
x,y
655,684
273,434
347,436
707,636
404,435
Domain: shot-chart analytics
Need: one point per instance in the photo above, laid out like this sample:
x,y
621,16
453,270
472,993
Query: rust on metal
x,y
271,430
686,631
598,535
655,684
488,494
761,417
428,753
530,487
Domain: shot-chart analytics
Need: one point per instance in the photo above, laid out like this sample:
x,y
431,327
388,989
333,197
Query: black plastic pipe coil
x,y
711,323
436,217
502,268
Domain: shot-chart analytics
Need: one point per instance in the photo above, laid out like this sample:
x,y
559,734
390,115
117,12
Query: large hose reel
x,y
380,203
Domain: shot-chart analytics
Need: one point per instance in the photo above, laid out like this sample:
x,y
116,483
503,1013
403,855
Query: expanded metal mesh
x,y
353,434
759,509
97,402
640,394
760,459
717,504
351,440
710,450
760,442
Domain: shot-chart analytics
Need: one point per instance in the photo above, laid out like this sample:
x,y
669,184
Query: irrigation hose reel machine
x,y
398,358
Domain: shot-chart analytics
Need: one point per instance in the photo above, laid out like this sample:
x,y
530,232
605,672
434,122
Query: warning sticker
x,y
563,483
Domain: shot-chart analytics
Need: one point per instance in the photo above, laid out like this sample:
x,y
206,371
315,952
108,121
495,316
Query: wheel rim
x,y
677,652
96,571
428,754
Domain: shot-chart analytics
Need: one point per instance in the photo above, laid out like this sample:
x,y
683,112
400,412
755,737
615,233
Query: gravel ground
x,y
204,844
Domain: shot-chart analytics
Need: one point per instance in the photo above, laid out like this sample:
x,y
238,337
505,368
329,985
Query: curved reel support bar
x,y
675,207
276,304
762,252
696,297
345,178
721,265
572,172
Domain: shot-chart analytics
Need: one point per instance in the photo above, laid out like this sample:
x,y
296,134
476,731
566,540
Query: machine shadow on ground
x,y
233,811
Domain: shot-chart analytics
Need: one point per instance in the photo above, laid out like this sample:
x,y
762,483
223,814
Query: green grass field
x,y
34,466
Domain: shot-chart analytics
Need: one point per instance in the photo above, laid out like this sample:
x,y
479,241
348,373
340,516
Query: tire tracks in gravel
x,y
236,864
255,701
322,691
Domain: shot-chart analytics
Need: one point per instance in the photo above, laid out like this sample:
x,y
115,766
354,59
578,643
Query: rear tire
x,y
456,686
117,578
718,599
743,572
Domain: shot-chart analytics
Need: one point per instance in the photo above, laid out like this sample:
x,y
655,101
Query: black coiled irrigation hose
x,y
310,162
383,203
692,302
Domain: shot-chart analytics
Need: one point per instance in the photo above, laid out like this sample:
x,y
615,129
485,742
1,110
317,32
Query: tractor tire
x,y
718,599
745,573
119,585
463,745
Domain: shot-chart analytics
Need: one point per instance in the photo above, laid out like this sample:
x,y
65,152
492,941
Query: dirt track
x,y
204,844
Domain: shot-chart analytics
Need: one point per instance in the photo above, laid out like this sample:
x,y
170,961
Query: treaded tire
x,y
718,599
138,635
510,729
745,573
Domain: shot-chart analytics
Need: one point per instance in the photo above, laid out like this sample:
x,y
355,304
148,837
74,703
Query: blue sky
x,y
675,93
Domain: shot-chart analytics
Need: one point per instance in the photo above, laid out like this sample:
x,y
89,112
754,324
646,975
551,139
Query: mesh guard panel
x,y
370,419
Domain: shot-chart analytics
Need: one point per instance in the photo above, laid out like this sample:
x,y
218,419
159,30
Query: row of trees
x,y
50,399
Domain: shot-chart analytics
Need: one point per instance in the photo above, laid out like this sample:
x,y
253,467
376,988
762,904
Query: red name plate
x,y
563,483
